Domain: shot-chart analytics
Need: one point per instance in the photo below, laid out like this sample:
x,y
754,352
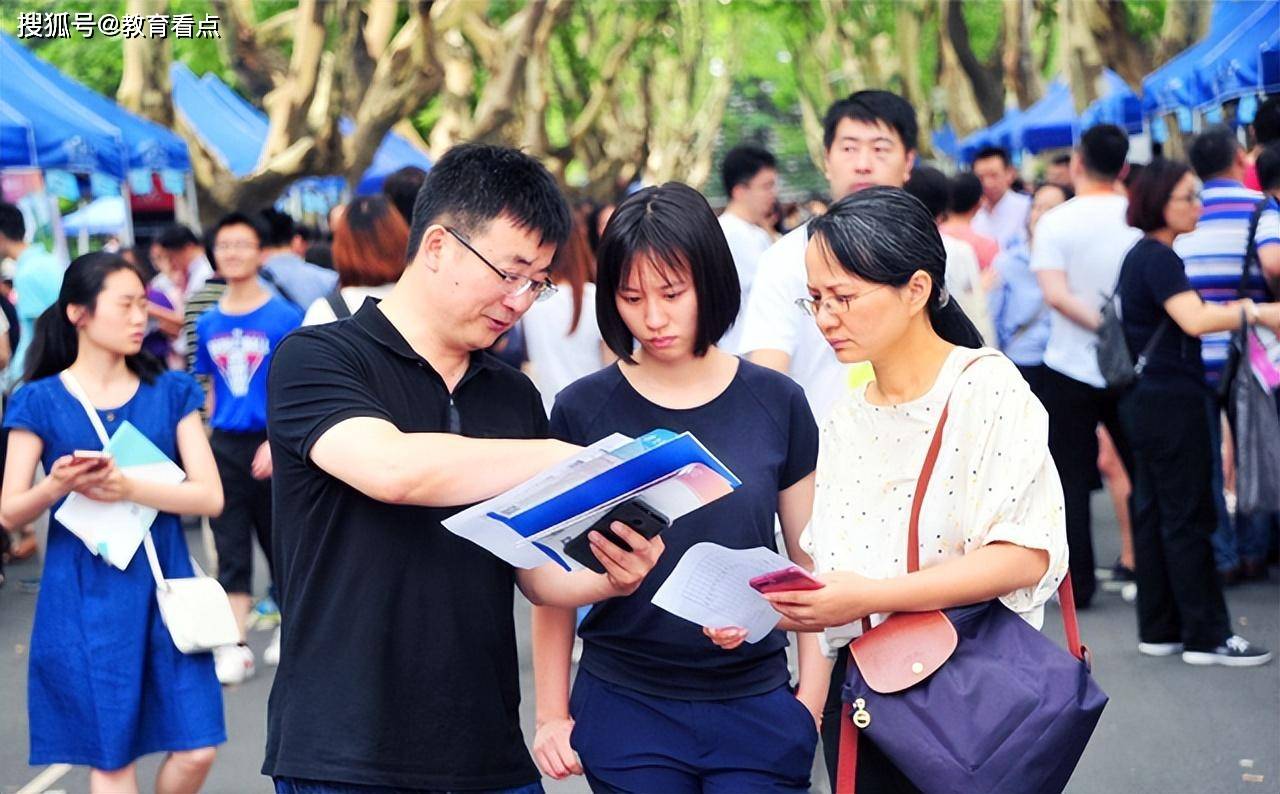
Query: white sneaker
x,y
1159,648
233,663
271,656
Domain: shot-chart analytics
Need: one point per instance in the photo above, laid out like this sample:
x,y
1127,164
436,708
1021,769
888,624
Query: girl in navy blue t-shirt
x,y
656,705
106,683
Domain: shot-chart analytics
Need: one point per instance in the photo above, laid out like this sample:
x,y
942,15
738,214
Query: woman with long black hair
x,y
106,684
991,524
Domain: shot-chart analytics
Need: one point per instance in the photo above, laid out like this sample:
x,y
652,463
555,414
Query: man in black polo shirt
x,y
398,667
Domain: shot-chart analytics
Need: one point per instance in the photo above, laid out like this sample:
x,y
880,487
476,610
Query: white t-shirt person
x,y
1086,238
558,357
747,242
773,322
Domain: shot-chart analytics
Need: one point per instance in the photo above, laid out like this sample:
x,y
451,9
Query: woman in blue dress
x,y
106,683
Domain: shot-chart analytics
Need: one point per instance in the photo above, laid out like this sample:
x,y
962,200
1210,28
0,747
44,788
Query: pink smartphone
x,y
82,455
785,580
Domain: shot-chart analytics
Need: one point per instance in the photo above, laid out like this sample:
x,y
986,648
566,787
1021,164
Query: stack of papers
x,y
114,530
529,525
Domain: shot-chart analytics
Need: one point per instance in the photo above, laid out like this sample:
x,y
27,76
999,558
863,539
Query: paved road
x,y
1169,727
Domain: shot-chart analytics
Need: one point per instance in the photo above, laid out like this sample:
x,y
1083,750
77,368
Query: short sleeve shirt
x,y
629,641
235,350
398,664
1152,273
993,481
773,322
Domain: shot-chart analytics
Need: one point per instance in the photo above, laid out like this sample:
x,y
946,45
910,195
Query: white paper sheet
x,y
114,530
709,587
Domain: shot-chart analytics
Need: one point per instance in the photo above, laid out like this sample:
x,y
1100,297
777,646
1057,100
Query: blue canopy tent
x,y
1118,106
1230,68
1177,84
237,131
945,142
150,146
973,143
1050,122
64,133
17,143
1269,66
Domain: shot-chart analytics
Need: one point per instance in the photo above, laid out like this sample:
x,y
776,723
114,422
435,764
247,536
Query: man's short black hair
x,y
1213,151
932,187
1269,167
233,219
1103,150
176,237
12,224
674,227
741,165
965,193
1266,122
474,183
277,228
873,107
401,189
993,151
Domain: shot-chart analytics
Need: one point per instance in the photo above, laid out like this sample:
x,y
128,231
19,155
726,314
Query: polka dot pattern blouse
x,y
993,481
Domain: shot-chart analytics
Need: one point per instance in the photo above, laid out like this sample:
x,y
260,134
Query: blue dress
x,y
106,683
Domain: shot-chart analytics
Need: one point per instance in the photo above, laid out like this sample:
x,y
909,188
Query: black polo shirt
x,y
398,664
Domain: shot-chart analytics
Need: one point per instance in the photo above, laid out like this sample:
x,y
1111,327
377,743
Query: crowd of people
x,y
334,402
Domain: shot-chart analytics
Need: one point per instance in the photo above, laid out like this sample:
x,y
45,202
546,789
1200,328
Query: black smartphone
x,y
642,518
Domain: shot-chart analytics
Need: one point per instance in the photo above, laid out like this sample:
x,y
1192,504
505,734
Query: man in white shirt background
x,y
750,176
1076,255
1003,215
869,139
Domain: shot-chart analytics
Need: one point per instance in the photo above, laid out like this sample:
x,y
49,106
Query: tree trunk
x,y
986,81
144,83
1021,79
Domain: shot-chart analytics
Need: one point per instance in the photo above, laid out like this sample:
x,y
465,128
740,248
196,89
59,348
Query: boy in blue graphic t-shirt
x,y
235,340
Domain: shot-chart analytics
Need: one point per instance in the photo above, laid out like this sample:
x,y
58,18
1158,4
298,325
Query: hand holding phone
x,y
785,580
642,518
86,455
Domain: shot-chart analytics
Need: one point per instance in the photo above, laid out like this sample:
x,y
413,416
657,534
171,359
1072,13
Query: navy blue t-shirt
x,y
235,350
762,429
1151,274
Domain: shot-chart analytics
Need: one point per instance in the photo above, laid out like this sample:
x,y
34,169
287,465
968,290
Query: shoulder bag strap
x,y
338,304
73,386
269,277
1250,249
1065,594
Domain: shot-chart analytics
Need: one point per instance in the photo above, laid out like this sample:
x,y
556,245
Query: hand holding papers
x,y
534,522
114,530
710,586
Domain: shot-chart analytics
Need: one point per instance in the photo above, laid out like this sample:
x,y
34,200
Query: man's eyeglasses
x,y
836,304
515,284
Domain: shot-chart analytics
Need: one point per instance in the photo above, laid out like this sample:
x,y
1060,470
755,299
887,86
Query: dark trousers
x,y
634,743
246,509
1075,410
876,773
1179,592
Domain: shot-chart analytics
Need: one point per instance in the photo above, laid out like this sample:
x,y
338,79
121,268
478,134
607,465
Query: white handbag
x,y
195,609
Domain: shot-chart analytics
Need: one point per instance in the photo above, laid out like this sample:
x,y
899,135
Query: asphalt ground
x,y
1168,728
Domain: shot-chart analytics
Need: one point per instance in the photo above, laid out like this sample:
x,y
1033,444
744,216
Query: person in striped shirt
x,y
1214,255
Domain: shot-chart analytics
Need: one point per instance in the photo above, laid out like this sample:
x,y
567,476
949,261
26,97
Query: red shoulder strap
x,y
1065,595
